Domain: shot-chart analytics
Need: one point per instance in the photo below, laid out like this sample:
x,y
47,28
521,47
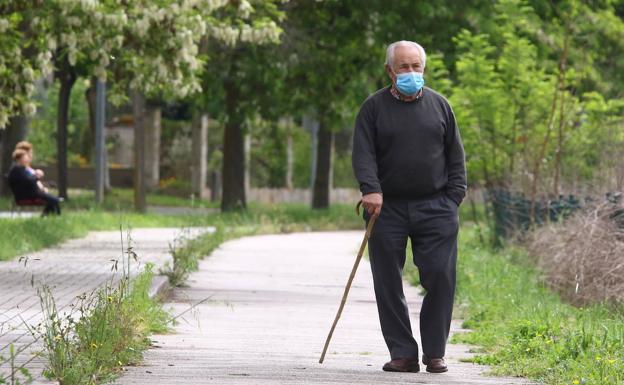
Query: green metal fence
x,y
511,211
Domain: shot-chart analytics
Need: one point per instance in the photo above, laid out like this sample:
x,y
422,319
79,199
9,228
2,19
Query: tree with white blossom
x,y
134,45
24,58
237,78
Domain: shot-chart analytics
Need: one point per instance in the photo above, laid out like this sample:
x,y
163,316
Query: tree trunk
x,y
290,157
247,162
216,188
199,170
322,179
67,78
311,124
152,129
88,139
15,132
619,173
233,197
138,110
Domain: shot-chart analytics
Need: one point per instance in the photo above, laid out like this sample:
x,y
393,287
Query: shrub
x,y
583,257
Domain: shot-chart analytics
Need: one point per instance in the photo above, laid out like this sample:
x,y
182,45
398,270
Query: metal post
x,y
100,148
138,107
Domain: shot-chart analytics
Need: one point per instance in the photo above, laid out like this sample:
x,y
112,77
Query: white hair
x,y
391,47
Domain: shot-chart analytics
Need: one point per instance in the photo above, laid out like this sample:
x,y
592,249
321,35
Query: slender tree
x,y
329,46
237,83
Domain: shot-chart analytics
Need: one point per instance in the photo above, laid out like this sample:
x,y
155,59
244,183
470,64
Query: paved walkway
x,y
18,215
272,300
70,269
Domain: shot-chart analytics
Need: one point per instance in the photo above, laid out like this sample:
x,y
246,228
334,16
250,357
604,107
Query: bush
x,y
583,257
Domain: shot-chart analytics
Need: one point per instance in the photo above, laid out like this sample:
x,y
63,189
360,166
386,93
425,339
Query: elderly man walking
x,y
409,161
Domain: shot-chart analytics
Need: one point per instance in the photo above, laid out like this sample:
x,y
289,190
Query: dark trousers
x,y
52,204
432,225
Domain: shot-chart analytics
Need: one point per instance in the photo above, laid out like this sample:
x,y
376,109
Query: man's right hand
x,y
372,203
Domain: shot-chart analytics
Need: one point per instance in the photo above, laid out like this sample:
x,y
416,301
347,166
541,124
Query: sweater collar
x,y
397,95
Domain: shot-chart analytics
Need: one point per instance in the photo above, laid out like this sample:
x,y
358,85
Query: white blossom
x,y
141,26
4,25
4,118
100,72
28,74
244,9
29,88
51,43
72,56
29,109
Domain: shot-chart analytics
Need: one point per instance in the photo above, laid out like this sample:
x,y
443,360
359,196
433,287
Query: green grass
x,y
522,328
81,215
121,199
185,259
104,331
186,253
20,236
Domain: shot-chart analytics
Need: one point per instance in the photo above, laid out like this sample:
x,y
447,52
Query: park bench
x,y
23,205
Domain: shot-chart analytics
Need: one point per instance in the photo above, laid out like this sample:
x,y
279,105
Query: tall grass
x,y
186,253
524,329
103,331
18,373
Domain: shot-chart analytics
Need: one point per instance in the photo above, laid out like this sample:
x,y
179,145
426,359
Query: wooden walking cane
x,y
369,228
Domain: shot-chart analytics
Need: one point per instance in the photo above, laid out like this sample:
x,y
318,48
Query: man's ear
x,y
389,72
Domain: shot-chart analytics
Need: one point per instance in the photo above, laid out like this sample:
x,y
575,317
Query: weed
x,y
19,374
104,331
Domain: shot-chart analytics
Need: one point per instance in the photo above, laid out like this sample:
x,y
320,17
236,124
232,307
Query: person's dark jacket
x,y
23,183
408,150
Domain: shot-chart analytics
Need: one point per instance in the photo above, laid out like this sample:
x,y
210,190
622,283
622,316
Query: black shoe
x,y
434,365
402,365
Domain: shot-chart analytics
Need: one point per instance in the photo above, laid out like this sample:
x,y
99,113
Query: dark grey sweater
x,y
408,149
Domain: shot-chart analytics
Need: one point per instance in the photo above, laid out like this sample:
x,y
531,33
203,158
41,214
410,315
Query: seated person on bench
x,y
24,185
27,146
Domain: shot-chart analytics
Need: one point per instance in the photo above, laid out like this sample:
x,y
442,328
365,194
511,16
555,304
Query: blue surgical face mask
x,y
410,83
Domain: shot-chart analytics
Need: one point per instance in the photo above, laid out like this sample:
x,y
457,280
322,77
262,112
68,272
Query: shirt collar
x,y
397,95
